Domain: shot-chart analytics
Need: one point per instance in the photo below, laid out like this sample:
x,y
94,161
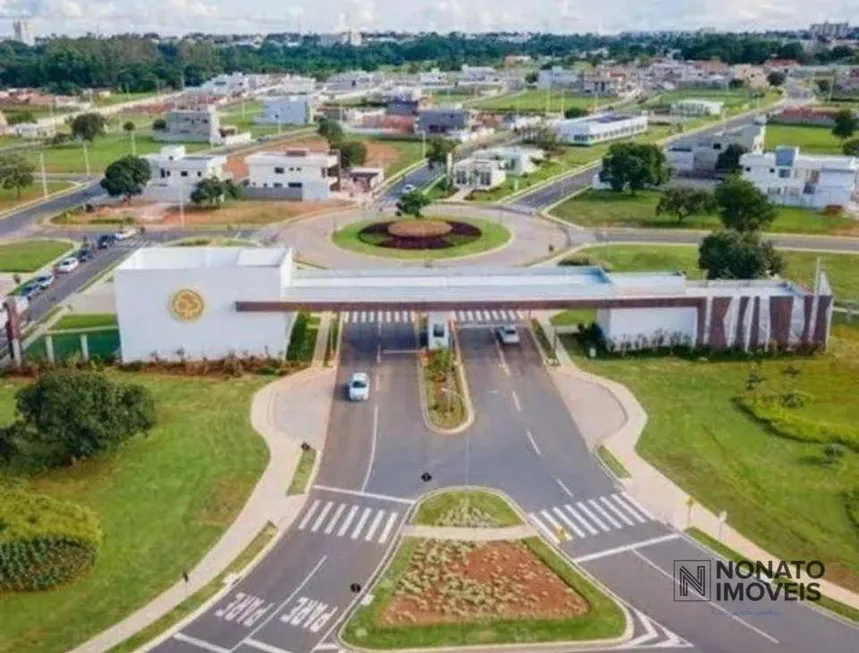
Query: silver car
x,y
359,387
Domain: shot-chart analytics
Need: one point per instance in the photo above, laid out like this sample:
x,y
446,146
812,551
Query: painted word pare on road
x,y
244,609
309,614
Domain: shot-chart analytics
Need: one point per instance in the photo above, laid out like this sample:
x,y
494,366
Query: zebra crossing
x,y
589,517
485,316
355,522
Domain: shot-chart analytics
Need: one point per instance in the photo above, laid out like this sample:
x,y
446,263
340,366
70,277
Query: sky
x,y
260,16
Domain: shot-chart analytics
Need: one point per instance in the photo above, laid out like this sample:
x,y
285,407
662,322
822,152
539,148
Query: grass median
x,y
466,508
30,255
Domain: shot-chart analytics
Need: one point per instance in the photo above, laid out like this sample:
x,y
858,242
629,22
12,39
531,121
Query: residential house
x,y
600,128
295,174
514,160
443,120
288,110
602,84
478,173
175,173
478,74
794,179
191,125
699,154
559,78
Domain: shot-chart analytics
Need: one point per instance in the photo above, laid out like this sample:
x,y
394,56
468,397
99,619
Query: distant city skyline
x,y
176,17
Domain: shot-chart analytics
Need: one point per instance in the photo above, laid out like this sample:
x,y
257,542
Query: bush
x,y
585,260
44,542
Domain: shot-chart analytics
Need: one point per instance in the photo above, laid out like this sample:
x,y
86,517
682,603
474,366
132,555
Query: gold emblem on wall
x,y
186,304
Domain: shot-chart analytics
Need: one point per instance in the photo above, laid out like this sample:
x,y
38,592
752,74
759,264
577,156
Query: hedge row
x,y
44,542
783,421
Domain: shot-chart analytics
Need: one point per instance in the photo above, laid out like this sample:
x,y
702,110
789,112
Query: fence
x,y
83,344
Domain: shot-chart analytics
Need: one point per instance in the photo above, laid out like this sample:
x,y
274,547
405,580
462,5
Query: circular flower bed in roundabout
x,y
422,237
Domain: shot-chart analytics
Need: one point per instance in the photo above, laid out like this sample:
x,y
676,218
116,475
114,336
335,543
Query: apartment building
x,y
295,174
700,154
175,173
812,181
827,30
600,128
559,78
288,110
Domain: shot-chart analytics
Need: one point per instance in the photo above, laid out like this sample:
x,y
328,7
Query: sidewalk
x,y
625,421
285,413
471,534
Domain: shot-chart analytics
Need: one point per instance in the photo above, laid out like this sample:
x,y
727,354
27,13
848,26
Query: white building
x,y
296,174
180,302
697,107
478,74
560,78
478,173
515,160
793,179
227,84
701,153
600,128
175,173
353,80
23,31
827,30
288,110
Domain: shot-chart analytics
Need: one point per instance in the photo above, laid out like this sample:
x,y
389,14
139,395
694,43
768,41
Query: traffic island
x,y
453,593
444,395
466,508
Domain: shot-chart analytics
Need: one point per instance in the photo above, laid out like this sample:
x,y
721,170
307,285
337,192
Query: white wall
x,y
619,324
147,325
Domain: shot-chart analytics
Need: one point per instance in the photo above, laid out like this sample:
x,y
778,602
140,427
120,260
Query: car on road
x,y
508,334
409,188
105,241
30,289
45,280
359,387
68,264
85,254
124,234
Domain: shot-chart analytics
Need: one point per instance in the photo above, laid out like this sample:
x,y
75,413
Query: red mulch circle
x,y
379,234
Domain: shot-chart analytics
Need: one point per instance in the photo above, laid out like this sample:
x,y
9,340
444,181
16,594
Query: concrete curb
x,y
466,396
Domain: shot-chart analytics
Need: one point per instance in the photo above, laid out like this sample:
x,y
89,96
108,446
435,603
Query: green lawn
x,y
9,199
118,97
303,339
811,140
610,461
494,235
303,470
85,321
777,491
443,509
30,255
536,101
442,98
163,501
603,620
606,208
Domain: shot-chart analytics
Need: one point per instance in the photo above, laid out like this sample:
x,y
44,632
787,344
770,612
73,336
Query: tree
x,y
15,172
683,202
776,78
531,78
851,148
634,166
159,124
845,125
126,176
128,126
576,112
21,117
88,125
729,254
438,147
547,140
742,207
214,192
77,414
353,153
412,203
824,86
330,130
729,158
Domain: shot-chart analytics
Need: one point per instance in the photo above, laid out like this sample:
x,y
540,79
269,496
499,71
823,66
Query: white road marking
x,y
330,528
542,528
502,358
551,520
262,646
470,316
369,495
649,634
564,487
372,445
360,525
374,525
619,500
584,522
635,504
199,643
387,316
516,403
533,443
387,530
363,316
322,515
330,646
308,514
579,532
345,526
611,520
378,380
721,609
628,547
581,506
608,504
379,350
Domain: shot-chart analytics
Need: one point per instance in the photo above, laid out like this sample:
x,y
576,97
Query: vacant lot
x,y
537,101
9,198
163,500
30,255
811,140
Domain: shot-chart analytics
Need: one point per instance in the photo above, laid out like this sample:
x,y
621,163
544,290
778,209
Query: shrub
x,y
585,260
44,542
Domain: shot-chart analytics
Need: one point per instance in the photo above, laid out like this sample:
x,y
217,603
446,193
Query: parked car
x,y
359,387
105,241
45,280
125,233
30,289
85,254
508,334
68,264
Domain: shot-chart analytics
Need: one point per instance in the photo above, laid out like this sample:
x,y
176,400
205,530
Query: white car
x,y
359,387
409,188
508,335
68,264
124,234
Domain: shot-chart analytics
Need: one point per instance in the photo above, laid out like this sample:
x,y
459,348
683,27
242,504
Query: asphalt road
x,y
24,218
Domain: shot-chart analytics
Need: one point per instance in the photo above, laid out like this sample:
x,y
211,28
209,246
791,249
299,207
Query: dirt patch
x,y
459,582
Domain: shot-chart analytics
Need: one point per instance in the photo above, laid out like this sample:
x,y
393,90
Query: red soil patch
x,y
458,582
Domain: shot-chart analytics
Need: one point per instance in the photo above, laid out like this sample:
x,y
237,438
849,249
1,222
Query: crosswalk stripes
x,y
466,316
345,520
589,517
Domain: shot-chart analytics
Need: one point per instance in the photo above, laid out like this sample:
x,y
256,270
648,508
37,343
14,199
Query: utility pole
x,y
86,159
423,144
181,205
133,144
44,178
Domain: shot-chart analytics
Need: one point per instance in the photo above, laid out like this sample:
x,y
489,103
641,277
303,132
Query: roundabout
x,y
436,237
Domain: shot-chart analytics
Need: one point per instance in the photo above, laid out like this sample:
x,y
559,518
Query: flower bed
x,y
419,234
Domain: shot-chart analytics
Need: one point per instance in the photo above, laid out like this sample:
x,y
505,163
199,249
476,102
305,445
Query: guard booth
x,y
438,330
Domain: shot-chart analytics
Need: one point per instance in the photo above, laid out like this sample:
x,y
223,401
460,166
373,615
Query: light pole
x,y
44,178
423,144
86,159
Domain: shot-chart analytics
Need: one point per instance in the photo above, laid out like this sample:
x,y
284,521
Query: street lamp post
x,y
44,177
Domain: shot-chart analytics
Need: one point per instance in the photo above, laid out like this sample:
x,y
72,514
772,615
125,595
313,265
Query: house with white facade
x,y
478,74
696,107
478,173
600,128
559,78
287,110
515,160
794,179
294,174
175,173
701,153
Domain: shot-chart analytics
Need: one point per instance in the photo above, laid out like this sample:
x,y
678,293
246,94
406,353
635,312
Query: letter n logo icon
x,y
692,580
